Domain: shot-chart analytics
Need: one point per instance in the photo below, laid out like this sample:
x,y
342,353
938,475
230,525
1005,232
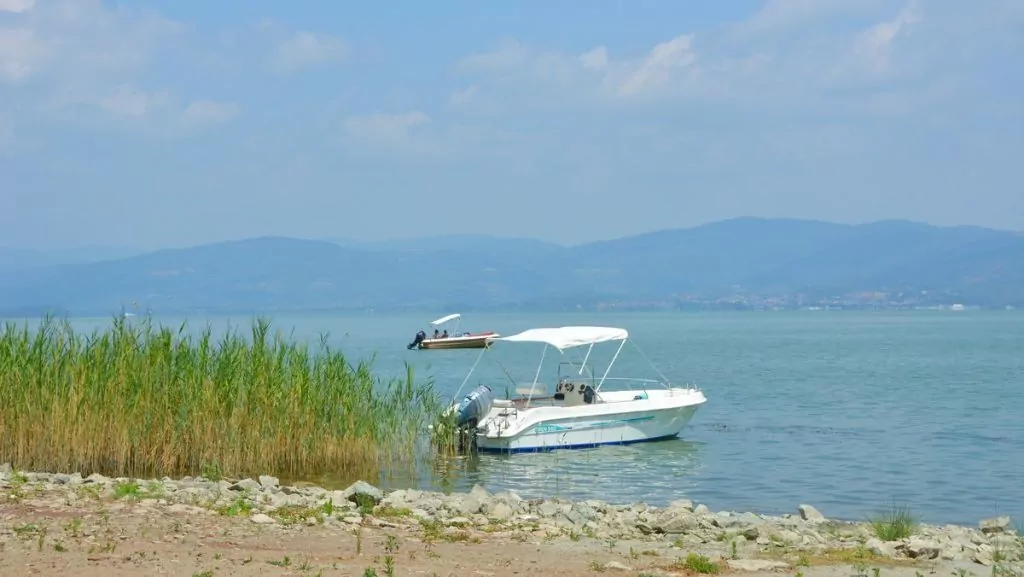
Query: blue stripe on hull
x,y
549,448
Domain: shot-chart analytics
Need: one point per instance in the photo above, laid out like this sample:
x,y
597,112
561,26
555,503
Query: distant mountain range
x,y
738,263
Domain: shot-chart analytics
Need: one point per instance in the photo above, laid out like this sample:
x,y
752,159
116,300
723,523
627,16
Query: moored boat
x,y
580,413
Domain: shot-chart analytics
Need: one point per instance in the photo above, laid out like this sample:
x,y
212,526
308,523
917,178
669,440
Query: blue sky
x,y
153,124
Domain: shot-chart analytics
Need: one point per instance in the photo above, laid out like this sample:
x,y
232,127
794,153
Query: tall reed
x,y
140,400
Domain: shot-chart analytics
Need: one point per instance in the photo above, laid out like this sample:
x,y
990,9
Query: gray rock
x,y
921,549
6,470
809,513
268,482
616,566
880,548
548,509
262,519
995,525
466,505
61,479
682,504
676,522
755,565
701,510
501,511
358,488
245,485
97,479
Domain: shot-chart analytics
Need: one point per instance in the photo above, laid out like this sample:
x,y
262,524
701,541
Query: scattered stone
x,y
245,485
686,527
755,565
921,549
365,490
995,525
809,513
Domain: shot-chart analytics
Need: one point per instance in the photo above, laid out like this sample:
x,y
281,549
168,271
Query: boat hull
x,y
594,430
463,342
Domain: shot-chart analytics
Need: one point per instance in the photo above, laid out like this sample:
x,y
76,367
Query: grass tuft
x,y
137,400
898,523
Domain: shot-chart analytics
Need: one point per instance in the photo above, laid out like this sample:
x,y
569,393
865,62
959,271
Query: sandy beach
x,y
54,524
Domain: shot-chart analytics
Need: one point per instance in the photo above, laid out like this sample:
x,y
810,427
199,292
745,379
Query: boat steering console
x,y
574,393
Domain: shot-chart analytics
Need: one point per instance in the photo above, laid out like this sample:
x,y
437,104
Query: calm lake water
x,y
847,411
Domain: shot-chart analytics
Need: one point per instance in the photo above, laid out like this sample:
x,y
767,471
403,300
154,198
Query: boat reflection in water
x,y
612,473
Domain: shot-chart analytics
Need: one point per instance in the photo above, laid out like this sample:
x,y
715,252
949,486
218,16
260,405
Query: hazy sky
x,y
176,122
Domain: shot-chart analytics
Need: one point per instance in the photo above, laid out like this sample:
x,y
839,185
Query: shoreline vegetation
x,y
136,399
159,444
197,526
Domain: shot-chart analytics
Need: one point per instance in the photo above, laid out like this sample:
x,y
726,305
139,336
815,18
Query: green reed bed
x,y
140,400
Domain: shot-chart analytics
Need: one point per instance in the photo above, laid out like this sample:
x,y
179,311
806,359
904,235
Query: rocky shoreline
x,y
688,533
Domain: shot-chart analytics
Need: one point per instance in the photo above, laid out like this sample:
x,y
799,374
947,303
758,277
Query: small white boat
x,y
453,340
581,412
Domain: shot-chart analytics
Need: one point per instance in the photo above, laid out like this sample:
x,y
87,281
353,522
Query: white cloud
x,y
659,67
777,15
596,59
130,102
210,112
385,128
16,6
872,47
465,96
21,53
789,53
509,54
295,50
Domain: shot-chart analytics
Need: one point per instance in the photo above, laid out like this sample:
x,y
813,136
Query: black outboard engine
x,y
416,341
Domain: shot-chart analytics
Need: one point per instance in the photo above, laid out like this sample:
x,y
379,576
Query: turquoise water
x,y
848,411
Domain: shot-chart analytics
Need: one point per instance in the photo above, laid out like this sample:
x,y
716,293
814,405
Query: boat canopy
x,y
568,337
445,319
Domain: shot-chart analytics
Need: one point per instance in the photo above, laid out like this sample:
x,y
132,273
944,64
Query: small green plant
x,y
207,573
129,490
286,562
240,506
364,503
860,567
898,523
370,572
391,544
59,547
877,572
359,541
734,553
389,566
803,561
700,564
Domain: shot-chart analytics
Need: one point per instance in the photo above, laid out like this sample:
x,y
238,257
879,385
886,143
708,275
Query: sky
x,y
151,124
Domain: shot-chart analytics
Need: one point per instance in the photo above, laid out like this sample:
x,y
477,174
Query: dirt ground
x,y
113,539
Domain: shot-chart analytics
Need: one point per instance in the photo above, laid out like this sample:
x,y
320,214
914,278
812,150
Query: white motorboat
x,y
455,340
581,412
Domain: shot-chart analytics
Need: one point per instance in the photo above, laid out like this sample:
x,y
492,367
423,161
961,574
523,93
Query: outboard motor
x,y
474,405
416,341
